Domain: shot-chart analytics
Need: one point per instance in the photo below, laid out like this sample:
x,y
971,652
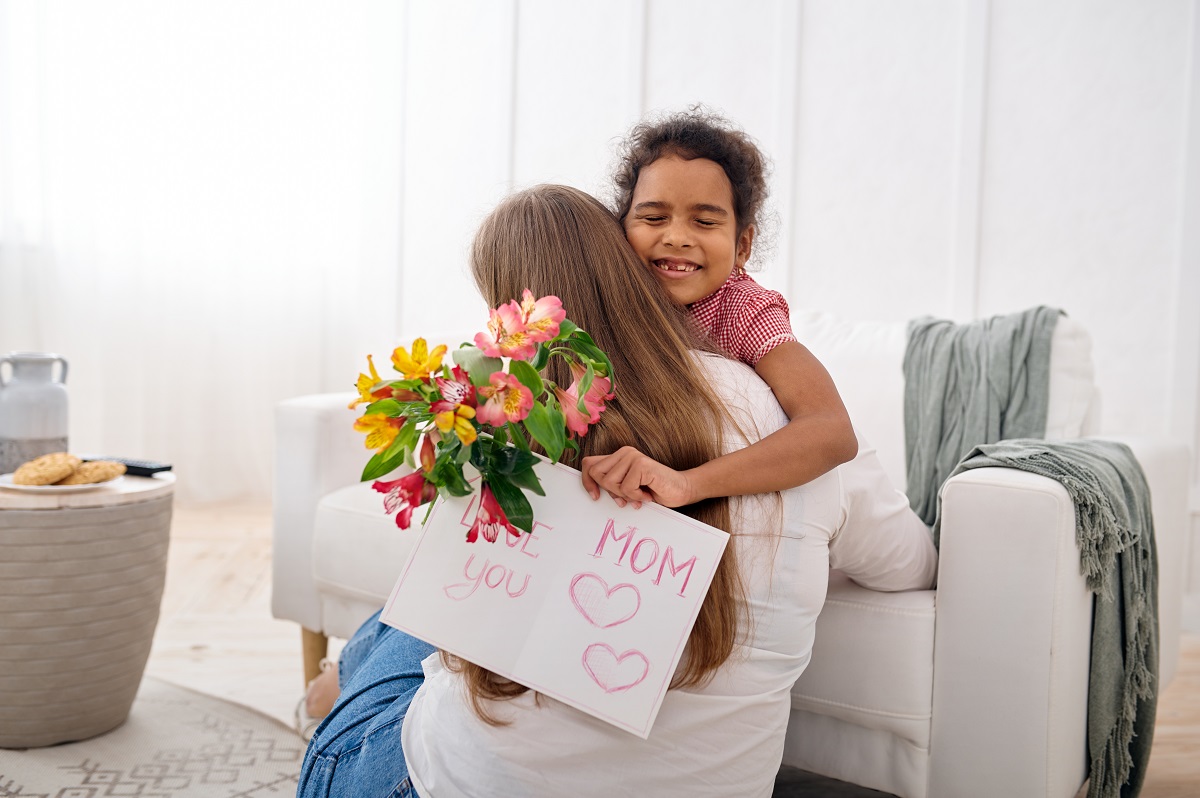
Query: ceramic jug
x,y
33,407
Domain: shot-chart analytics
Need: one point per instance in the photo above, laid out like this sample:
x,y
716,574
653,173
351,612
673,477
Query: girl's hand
x,y
631,477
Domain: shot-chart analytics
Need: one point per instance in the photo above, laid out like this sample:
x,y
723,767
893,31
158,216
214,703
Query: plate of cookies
x,y
61,472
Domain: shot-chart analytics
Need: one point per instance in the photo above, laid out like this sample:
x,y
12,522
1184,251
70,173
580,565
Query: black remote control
x,y
135,468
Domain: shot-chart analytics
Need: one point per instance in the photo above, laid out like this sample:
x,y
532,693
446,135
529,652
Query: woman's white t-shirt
x,y
720,740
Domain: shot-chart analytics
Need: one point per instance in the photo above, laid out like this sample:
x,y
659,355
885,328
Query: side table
x,y
81,581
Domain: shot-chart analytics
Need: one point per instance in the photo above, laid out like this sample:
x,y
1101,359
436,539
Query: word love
x,y
641,556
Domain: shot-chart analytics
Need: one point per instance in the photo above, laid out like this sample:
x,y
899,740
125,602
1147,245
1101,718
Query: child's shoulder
x,y
751,321
742,283
747,299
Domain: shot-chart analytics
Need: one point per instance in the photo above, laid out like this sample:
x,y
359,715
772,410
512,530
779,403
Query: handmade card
x,y
592,608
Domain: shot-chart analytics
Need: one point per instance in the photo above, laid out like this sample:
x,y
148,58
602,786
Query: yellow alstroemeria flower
x,y
458,419
381,430
366,385
421,363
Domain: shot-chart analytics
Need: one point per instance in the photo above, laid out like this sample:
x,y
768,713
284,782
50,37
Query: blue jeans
x,y
355,752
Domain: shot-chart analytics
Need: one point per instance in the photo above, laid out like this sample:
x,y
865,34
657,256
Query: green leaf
x,y
448,476
517,437
589,376
528,376
565,329
387,407
541,357
479,453
406,439
583,336
478,365
374,467
513,502
528,480
428,509
500,435
590,352
508,460
546,426
463,454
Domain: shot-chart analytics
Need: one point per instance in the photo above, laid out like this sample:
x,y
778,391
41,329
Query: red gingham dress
x,y
743,318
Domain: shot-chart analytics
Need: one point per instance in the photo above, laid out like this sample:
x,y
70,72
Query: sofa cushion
x,y
1073,390
872,663
358,551
866,361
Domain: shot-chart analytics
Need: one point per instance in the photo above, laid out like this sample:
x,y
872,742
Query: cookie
x,y
94,471
47,469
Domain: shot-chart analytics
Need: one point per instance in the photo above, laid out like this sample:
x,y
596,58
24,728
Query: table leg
x,y
315,646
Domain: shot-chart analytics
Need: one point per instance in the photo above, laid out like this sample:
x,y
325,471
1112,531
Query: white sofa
x,y
978,688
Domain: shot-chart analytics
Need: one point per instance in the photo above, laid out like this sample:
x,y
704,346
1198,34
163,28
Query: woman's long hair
x,y
559,240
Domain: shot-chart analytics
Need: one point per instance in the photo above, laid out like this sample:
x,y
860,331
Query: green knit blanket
x,y
976,396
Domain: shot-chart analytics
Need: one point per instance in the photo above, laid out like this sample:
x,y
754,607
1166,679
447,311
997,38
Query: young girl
x,y
690,191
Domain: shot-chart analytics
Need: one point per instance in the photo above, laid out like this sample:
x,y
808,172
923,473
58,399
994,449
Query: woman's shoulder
x,y
725,371
745,394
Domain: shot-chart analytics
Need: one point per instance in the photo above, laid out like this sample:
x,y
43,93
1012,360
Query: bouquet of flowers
x,y
482,410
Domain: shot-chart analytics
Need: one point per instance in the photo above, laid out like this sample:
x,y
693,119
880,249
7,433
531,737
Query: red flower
x,y
455,391
490,518
405,495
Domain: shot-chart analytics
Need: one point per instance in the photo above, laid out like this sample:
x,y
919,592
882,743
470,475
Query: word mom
x,y
644,554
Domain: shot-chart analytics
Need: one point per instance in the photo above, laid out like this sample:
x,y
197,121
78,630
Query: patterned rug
x,y
178,743
175,743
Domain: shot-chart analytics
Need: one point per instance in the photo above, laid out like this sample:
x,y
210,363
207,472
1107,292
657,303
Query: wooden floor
x,y
216,635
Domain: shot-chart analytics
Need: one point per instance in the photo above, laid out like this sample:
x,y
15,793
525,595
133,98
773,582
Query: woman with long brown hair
x,y
408,723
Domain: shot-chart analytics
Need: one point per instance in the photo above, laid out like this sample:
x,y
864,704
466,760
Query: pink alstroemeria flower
x,y
506,335
541,316
489,519
405,495
597,394
507,400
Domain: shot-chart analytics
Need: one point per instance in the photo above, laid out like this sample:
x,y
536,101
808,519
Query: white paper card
x,y
592,608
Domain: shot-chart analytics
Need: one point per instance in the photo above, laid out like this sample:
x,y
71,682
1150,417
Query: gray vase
x,y
33,407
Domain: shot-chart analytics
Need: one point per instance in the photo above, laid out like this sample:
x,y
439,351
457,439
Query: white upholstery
x,y
978,688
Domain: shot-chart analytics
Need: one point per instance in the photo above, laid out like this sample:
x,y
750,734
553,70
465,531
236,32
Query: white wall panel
x,y
457,153
578,89
876,166
953,157
1084,149
738,59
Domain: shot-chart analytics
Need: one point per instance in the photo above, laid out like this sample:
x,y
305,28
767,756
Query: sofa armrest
x,y
1012,640
1013,634
317,451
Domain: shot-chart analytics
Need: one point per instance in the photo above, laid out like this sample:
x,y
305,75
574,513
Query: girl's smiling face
x,y
681,223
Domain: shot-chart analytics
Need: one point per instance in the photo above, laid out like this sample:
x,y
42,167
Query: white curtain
x,y
199,208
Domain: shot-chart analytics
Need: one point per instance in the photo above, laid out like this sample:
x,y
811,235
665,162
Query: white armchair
x,y
978,688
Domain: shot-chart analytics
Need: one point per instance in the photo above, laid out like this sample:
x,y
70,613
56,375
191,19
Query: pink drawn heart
x,y
614,673
602,605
